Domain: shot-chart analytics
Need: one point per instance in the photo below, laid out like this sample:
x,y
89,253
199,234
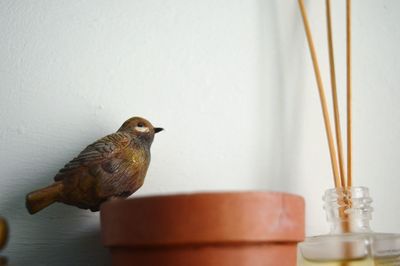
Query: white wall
x,y
232,83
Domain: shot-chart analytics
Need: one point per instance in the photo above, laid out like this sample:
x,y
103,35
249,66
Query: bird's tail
x,y
40,199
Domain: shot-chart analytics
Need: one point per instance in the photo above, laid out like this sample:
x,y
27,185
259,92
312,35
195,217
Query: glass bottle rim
x,y
333,194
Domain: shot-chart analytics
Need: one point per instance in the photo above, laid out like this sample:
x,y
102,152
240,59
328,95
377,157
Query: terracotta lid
x,y
234,217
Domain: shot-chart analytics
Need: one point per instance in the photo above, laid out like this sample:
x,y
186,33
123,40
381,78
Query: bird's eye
x,y
140,125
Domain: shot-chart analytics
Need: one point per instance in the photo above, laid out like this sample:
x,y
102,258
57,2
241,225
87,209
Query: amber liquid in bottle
x,y
354,262
358,245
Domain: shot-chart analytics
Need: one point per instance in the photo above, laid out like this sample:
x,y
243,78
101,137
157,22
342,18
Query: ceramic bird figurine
x,y
112,167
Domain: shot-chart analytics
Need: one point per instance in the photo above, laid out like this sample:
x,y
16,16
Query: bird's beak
x,y
158,129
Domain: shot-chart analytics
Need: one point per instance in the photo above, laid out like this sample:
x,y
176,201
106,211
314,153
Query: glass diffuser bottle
x,y
351,242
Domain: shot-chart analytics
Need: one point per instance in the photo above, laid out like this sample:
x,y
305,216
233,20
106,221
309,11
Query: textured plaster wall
x,y
232,83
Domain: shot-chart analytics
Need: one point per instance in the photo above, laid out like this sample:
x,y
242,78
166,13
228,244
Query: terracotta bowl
x,y
207,229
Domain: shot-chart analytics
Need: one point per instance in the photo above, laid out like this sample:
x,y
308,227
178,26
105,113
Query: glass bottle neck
x,y
348,210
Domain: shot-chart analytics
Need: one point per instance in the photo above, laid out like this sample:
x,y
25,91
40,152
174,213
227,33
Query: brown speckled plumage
x,y
112,167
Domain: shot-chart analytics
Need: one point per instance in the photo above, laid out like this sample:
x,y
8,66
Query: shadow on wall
x,y
58,235
280,107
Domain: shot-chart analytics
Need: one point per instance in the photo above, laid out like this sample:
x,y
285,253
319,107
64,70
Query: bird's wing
x,y
97,152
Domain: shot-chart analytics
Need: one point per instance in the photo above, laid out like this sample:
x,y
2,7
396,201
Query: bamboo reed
x,y
321,91
349,97
338,129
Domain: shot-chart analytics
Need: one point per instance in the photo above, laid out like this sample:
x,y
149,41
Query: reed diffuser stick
x,y
322,97
349,97
338,129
